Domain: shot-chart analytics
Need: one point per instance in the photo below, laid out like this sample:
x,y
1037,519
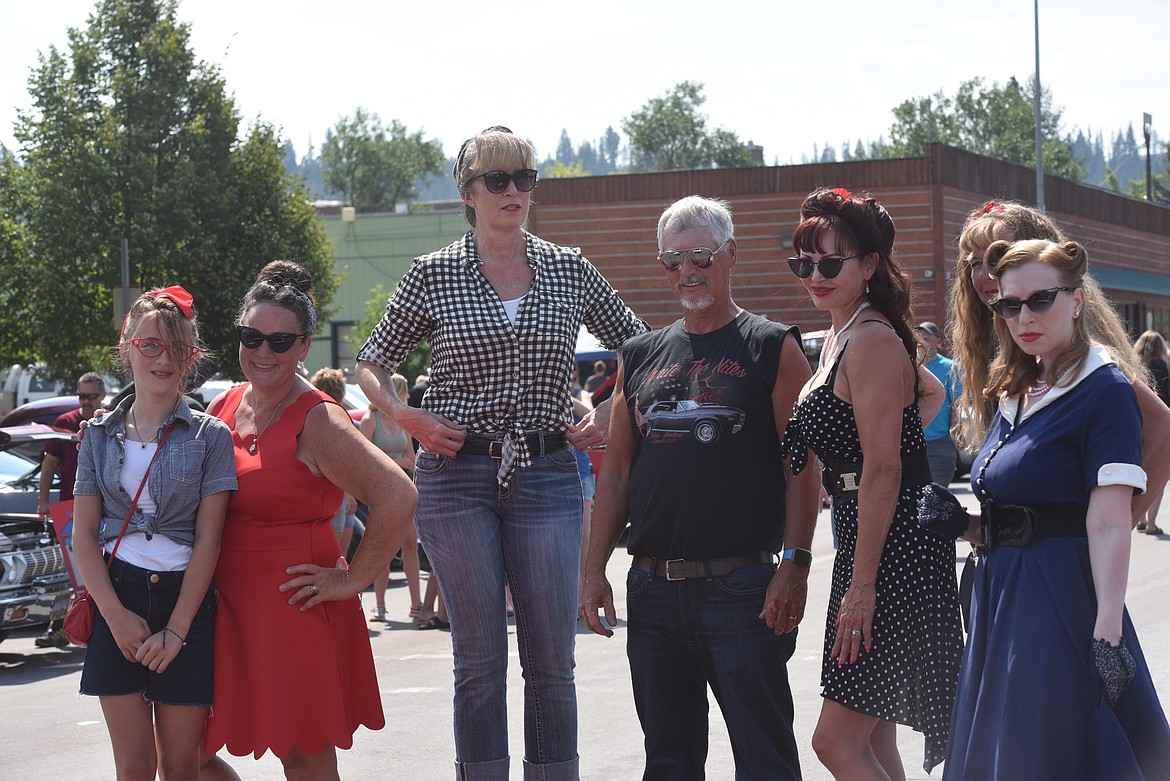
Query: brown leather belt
x,y
539,443
682,569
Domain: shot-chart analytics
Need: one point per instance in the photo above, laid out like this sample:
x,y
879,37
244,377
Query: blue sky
x,y
785,75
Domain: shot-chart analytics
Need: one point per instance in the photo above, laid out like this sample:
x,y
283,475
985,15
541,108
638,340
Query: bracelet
x,y
349,583
166,629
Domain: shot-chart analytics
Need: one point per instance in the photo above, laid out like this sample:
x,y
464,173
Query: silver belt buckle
x,y
674,561
849,482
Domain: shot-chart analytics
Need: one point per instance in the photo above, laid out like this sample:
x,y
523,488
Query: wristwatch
x,y
798,556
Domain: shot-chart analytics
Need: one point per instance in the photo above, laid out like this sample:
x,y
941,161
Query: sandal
x,y
1141,527
434,622
378,613
1154,530
415,611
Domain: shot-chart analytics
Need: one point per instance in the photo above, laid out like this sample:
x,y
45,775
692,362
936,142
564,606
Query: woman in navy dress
x,y
1054,683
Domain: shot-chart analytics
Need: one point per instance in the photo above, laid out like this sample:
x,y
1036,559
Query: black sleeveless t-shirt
x,y
706,479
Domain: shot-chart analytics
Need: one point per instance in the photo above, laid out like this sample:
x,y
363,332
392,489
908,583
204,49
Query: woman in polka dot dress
x,y
893,638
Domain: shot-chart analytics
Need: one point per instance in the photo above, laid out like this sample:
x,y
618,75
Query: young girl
x,y
149,659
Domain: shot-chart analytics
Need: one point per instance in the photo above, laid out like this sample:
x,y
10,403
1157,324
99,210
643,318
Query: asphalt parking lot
x,y
48,731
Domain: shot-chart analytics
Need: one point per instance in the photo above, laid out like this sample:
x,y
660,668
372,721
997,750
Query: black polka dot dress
x,y
909,676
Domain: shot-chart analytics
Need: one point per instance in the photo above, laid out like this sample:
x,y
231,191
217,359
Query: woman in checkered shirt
x,y
499,496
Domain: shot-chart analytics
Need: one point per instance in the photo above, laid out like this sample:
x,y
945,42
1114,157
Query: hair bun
x,y
281,273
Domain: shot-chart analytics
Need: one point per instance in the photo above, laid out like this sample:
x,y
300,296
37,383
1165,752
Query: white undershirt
x,y
159,553
512,308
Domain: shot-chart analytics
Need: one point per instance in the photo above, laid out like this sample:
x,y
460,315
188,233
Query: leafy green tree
x,y
375,167
132,138
608,148
997,121
419,359
669,134
559,170
15,258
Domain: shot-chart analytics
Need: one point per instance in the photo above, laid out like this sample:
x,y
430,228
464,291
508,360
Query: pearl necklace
x,y
831,343
256,437
1038,388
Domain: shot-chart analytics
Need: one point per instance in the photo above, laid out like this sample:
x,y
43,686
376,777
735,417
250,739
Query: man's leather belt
x,y
539,443
682,569
1016,525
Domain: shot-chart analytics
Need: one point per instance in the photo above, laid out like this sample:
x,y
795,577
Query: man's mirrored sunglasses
x,y
700,257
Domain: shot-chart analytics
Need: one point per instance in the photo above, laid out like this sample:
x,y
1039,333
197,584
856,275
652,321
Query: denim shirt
x,y
197,460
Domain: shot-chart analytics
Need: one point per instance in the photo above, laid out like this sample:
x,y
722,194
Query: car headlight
x,y
11,570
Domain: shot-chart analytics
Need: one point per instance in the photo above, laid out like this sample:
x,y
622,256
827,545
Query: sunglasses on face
x,y
829,266
700,257
90,396
497,181
279,342
153,348
1039,302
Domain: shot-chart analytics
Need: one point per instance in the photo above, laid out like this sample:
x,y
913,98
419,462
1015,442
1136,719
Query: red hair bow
x,y
183,300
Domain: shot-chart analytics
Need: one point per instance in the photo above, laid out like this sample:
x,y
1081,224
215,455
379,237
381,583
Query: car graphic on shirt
x,y
705,422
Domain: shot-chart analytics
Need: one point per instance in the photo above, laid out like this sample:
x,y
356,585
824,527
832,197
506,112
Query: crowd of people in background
x,y
278,511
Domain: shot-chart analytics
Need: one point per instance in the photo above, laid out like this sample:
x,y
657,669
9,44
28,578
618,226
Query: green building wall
x,y
373,250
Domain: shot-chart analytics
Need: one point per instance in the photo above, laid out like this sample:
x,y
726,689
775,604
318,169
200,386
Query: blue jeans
x,y
686,635
476,537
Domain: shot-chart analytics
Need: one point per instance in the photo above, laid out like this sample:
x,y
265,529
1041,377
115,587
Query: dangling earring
x,y
867,287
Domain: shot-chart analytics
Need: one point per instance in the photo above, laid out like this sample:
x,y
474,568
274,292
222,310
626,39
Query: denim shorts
x,y
152,595
588,486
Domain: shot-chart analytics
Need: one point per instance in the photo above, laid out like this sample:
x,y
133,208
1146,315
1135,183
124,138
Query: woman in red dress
x,y
294,672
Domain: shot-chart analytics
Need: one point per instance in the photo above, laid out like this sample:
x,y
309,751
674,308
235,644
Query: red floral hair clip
x,y
987,208
842,192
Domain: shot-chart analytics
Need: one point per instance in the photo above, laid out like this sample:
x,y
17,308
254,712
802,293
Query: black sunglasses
x,y
700,257
279,342
89,396
497,181
1039,302
829,266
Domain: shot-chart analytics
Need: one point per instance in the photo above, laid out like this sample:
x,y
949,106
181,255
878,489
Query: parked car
x,y
34,582
22,384
705,422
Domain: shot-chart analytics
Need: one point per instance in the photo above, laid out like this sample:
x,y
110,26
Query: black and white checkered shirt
x,y
495,377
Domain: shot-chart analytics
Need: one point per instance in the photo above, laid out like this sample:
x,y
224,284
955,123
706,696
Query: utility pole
x,y
1039,132
1147,126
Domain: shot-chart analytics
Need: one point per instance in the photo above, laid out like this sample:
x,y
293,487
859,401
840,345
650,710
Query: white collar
x,y
1098,356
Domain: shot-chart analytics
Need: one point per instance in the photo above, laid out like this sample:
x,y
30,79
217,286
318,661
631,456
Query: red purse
x,y
78,623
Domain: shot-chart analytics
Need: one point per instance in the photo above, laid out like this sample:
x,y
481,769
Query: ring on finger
x,y
855,632
313,587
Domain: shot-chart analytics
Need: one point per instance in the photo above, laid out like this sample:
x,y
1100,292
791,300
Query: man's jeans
x,y
686,635
943,457
475,537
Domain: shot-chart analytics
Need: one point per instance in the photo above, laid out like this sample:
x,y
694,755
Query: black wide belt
x,y
539,443
843,480
682,569
1016,525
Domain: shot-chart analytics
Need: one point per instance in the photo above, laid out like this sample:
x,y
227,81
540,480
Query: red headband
x,y
183,300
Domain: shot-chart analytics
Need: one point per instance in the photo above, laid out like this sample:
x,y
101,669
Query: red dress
x,y
284,679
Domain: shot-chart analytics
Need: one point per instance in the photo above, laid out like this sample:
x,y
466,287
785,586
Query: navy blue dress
x,y
1030,704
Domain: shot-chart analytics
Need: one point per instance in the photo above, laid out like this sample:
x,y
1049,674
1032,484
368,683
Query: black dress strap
x,y
832,380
